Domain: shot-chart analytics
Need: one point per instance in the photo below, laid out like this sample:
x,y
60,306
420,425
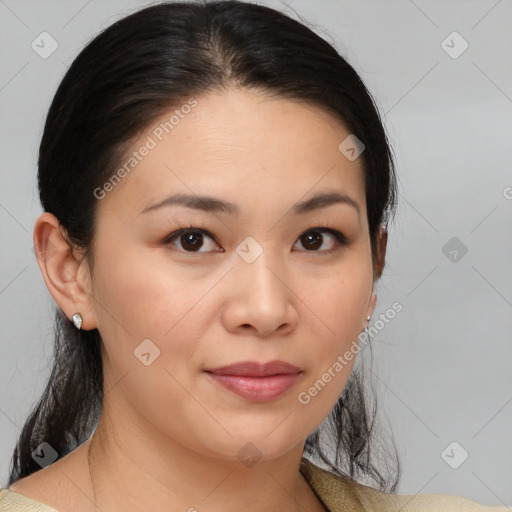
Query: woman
x,y
216,185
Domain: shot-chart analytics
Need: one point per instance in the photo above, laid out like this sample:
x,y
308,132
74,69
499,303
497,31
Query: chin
x,y
260,447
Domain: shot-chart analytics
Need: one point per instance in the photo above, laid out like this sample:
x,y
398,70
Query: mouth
x,y
255,381
257,389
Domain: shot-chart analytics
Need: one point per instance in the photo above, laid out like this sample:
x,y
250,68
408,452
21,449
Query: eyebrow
x,y
215,205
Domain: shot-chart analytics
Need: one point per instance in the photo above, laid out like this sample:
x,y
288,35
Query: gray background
x,y
442,366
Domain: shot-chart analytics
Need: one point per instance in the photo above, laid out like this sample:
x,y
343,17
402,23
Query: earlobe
x,y
371,308
61,270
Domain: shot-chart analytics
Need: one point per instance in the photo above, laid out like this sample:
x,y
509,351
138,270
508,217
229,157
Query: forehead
x,y
243,145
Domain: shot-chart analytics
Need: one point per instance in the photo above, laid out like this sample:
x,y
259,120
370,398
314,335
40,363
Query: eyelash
x,y
340,238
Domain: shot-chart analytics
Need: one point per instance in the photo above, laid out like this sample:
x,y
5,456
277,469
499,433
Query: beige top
x,y
337,494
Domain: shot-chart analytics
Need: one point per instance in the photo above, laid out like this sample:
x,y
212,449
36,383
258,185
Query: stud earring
x,y
368,318
77,320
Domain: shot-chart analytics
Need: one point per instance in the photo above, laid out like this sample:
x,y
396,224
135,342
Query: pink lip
x,y
255,369
255,381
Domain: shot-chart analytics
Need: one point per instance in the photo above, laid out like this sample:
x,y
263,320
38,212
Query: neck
x,y
146,477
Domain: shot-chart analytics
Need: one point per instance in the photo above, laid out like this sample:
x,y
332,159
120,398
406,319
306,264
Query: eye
x,y
190,239
313,238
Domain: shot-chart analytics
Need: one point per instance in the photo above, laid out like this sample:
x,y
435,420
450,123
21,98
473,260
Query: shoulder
x,y
378,501
12,501
52,488
343,494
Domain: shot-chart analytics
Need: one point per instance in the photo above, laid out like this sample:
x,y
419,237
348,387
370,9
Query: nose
x,y
260,300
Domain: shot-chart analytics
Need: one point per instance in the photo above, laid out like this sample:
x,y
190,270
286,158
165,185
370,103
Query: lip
x,y
256,381
255,369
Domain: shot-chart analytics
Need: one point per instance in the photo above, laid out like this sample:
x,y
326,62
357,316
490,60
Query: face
x,y
259,280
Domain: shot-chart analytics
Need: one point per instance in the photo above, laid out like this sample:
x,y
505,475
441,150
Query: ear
x,y
65,272
377,270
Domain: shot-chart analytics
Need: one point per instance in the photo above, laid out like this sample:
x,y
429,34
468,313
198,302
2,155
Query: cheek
x,y
339,308
147,300
340,303
143,294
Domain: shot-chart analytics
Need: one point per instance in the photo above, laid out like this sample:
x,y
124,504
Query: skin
x,y
168,437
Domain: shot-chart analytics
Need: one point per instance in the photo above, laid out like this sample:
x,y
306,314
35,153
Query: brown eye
x,y
313,239
191,240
